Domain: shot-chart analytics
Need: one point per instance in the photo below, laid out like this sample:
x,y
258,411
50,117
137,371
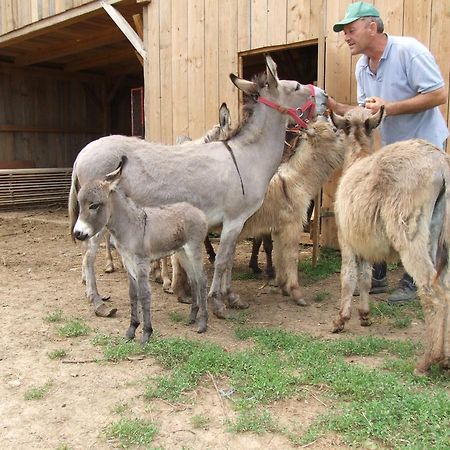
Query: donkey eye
x,y
94,206
297,87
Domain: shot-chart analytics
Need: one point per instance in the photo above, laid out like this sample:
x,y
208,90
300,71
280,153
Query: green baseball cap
x,y
354,12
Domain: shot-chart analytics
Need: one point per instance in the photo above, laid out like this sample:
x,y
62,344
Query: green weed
x,y
38,392
54,317
132,432
328,263
74,328
57,354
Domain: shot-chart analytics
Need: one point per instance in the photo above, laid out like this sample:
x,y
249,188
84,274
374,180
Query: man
x,y
400,74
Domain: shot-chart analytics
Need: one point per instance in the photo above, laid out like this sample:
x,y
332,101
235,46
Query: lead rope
x,y
235,164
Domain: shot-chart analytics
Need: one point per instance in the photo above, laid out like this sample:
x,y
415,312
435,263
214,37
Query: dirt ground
x,y
40,274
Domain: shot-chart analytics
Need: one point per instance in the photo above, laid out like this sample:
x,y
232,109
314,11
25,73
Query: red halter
x,y
308,109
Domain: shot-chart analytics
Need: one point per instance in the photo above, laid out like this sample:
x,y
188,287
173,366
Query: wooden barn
x,y
74,70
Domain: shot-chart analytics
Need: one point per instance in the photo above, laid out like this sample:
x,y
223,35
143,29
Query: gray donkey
x,y
143,235
226,180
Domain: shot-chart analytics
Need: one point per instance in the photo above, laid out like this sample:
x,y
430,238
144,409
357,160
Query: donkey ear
x,y
375,120
224,117
246,86
113,177
271,70
340,122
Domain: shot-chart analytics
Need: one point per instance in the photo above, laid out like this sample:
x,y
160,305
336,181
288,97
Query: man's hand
x,y
375,103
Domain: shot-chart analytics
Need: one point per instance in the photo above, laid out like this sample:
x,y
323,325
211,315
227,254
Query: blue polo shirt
x,y
406,69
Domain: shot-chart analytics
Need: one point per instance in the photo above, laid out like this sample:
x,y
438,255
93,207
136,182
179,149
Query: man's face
x,y
358,35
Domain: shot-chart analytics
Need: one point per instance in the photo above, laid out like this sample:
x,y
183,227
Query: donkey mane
x,y
248,108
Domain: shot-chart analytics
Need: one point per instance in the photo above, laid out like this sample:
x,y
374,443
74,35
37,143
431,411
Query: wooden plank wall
x,y
46,118
194,44
16,14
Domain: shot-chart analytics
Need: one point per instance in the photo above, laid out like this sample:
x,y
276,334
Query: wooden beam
x,y
70,48
137,19
125,27
57,21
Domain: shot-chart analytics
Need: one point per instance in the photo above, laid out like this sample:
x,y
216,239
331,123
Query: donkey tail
x,y
73,208
442,259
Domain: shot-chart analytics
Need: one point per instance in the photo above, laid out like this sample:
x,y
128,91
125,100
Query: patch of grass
x,y
122,349
38,392
63,447
200,421
255,421
393,266
321,296
328,263
74,328
176,317
239,317
385,407
57,354
121,408
132,432
400,316
244,276
54,317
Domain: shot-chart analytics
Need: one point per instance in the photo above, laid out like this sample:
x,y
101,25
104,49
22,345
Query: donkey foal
x,y
143,235
389,204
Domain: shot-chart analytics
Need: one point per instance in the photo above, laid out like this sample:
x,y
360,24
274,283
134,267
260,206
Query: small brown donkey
x,y
389,204
143,235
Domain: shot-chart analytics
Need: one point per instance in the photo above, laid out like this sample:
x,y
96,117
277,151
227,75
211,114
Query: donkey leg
x,y
225,254
285,243
165,274
184,264
253,262
100,308
419,264
194,268
155,271
109,267
180,286
365,282
144,297
209,250
348,284
133,289
268,247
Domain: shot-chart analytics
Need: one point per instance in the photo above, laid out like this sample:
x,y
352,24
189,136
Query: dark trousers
x,y
379,271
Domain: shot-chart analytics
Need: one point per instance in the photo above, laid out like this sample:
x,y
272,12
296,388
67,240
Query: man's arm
x,y
419,103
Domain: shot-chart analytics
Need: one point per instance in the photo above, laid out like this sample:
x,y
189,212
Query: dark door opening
x,y
293,63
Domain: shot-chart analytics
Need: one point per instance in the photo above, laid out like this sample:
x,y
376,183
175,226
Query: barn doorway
x,y
298,62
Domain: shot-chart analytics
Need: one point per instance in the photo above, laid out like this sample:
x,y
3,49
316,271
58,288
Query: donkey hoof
x,y
110,269
338,327
301,302
130,334
146,336
234,301
185,300
105,311
365,322
201,327
419,372
255,268
220,312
